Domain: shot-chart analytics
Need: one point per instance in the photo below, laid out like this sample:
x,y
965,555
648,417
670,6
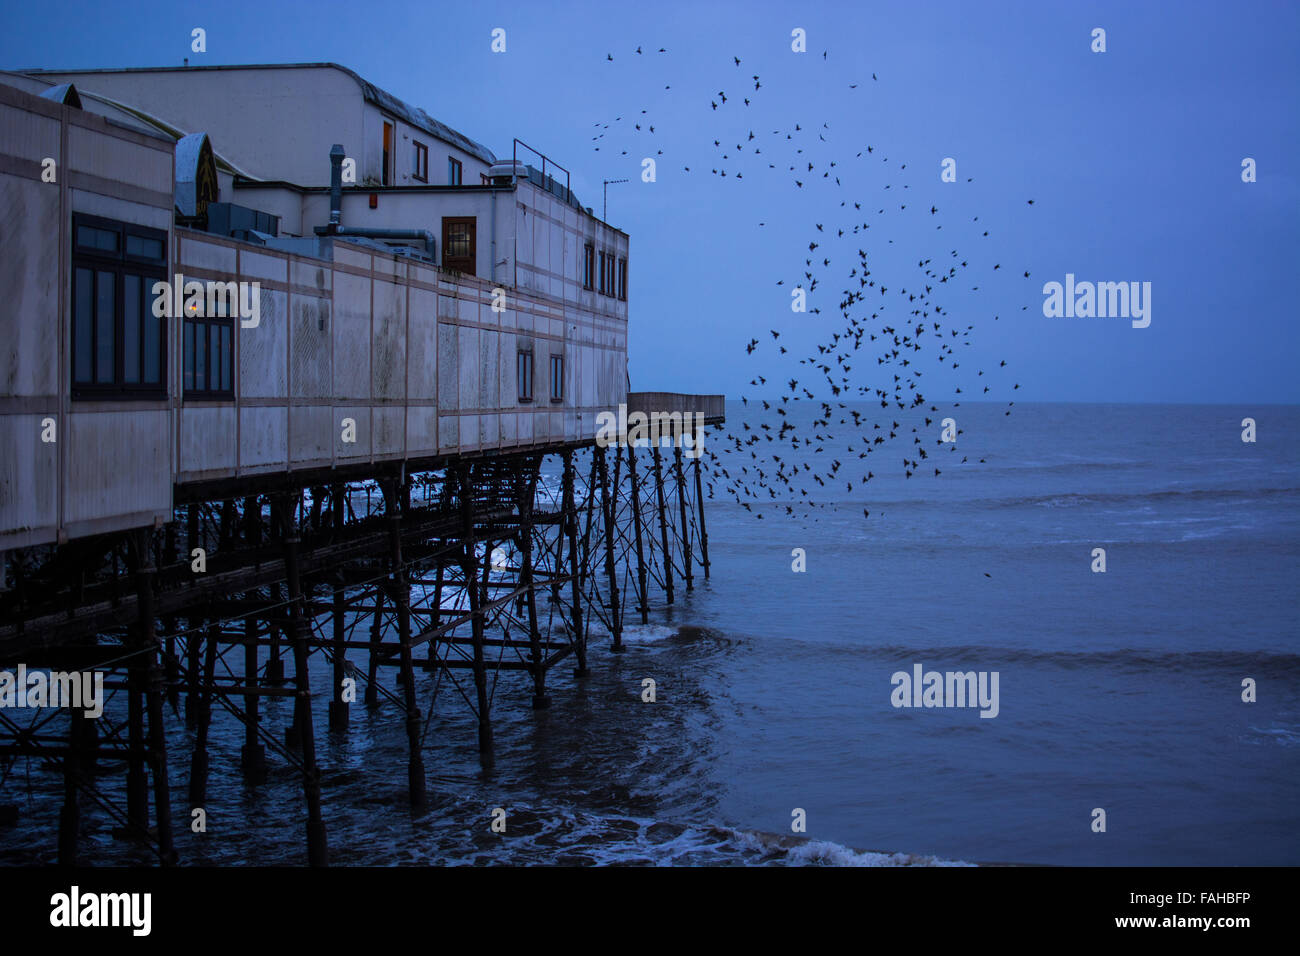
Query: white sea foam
x,y
647,633
799,852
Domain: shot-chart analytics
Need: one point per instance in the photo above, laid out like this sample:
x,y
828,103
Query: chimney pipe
x,y
335,225
336,186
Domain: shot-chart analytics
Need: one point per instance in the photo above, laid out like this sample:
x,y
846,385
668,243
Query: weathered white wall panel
x,y
120,464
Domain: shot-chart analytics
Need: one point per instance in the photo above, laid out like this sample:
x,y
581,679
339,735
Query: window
x,y
607,282
385,177
454,172
524,374
421,171
119,347
557,378
588,266
622,279
602,274
458,243
209,352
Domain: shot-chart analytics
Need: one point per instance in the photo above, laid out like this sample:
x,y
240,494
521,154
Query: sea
x,y
1163,692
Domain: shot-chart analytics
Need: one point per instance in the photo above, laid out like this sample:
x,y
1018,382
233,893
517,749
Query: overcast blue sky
x,y
1132,156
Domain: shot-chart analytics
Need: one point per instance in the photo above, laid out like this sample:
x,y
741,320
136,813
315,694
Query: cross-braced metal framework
x,y
471,570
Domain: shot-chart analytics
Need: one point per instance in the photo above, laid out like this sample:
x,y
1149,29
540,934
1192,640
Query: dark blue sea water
x,y
1118,690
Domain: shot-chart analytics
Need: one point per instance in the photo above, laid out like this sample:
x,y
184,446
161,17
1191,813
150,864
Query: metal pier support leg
x,y
199,761
194,625
699,504
435,612
643,605
252,756
154,691
575,577
397,501
663,523
376,638
469,565
171,668
339,707
137,778
70,813
607,500
686,528
526,496
317,848
274,662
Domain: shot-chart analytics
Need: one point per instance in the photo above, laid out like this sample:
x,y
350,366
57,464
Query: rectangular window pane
x,y
214,357
83,333
143,246
457,240
189,356
131,329
227,358
105,314
200,357
152,340
102,239
526,375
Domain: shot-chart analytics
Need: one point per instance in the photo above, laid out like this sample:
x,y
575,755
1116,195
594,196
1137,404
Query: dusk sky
x,y
1133,158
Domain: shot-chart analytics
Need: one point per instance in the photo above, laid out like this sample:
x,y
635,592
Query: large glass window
x,y
118,344
209,353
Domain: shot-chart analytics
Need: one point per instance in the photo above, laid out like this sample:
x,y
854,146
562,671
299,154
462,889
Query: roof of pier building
x,y
311,105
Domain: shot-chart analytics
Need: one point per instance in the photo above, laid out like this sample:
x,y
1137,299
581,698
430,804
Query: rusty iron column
x,y
435,612
194,625
396,501
317,848
199,760
663,523
469,565
338,709
252,756
154,693
686,528
70,813
376,640
643,605
137,778
571,529
274,662
699,504
171,668
607,499
527,496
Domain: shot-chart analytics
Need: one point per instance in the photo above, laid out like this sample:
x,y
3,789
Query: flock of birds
x,y
839,405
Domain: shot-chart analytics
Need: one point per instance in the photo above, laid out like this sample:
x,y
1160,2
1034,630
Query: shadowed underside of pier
x,y
472,567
